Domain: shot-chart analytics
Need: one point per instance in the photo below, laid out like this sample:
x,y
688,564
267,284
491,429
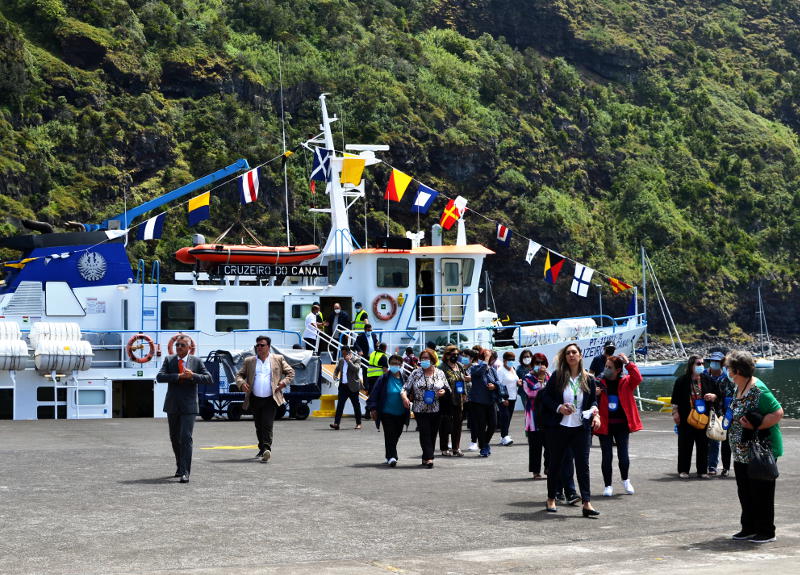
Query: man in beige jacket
x,y
263,378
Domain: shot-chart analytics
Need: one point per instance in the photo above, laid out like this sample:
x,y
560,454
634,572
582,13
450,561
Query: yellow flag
x,y
352,168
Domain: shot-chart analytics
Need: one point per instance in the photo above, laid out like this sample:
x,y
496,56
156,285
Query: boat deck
x,y
97,497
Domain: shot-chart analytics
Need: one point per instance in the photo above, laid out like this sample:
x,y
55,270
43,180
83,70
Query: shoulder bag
x,y
715,430
762,464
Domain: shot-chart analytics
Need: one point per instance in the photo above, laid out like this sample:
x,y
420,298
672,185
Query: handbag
x,y
762,464
697,420
715,430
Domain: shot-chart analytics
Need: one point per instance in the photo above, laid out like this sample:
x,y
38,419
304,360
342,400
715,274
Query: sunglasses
x,y
261,345
181,345
699,363
538,363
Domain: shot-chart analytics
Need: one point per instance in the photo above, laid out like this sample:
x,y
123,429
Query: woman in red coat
x,y
619,416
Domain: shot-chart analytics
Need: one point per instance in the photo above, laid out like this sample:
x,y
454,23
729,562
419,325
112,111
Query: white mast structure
x,y
340,242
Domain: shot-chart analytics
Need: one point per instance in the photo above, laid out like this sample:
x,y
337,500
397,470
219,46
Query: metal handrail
x,y
462,305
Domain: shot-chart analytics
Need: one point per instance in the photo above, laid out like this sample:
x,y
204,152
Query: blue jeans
x,y
713,454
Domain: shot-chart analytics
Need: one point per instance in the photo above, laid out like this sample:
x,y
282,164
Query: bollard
x,y
327,406
667,407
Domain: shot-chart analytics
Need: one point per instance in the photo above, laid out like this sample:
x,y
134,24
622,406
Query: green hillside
x,y
588,125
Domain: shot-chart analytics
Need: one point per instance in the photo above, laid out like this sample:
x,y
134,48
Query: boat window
x,y
91,397
232,308
177,315
47,412
229,324
451,277
466,271
392,272
275,313
45,393
300,311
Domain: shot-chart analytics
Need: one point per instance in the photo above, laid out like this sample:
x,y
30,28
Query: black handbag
x,y
762,464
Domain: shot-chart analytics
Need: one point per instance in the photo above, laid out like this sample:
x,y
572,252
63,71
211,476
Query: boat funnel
x,y
436,235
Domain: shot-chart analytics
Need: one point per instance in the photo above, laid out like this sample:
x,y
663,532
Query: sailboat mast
x,y
644,295
285,173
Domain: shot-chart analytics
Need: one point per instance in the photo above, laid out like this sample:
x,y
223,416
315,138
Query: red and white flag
x,y
248,186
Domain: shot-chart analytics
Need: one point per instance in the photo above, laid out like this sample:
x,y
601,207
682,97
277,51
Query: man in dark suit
x,y
183,372
263,378
339,318
366,343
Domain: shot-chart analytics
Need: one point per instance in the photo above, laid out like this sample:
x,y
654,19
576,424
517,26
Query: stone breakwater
x,y
782,347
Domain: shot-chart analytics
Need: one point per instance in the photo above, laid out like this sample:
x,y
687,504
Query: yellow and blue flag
x,y
199,209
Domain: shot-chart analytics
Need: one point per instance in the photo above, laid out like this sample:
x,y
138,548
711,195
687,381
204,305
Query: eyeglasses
x,y
181,345
699,363
261,345
538,363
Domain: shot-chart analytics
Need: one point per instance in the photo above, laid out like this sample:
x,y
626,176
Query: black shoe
x,y
762,539
260,454
724,473
590,512
573,499
185,478
560,498
334,426
743,536
177,473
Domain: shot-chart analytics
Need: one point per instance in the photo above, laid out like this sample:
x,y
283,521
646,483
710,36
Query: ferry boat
x,y
83,332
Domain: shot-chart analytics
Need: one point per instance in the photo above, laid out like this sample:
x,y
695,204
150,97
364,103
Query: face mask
x,y
609,373
465,361
526,361
715,365
394,368
425,363
537,368
336,310
698,369
511,363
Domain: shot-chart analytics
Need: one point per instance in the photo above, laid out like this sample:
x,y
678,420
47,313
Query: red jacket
x,y
627,385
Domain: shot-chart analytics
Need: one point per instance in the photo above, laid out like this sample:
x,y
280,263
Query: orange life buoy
x,y
381,315
174,338
135,345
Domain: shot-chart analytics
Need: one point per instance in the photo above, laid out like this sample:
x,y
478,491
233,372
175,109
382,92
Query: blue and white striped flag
x,y
152,228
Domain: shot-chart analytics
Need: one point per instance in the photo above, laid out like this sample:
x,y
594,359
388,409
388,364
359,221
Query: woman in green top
x,y
756,496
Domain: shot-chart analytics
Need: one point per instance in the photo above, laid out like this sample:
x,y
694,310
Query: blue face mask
x,y
698,369
425,363
715,365
394,368
464,360
511,364
537,368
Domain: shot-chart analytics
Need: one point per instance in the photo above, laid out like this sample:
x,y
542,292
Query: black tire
x,y
280,412
234,411
207,411
302,411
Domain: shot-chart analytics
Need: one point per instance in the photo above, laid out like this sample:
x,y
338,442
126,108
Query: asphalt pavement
x,y
98,497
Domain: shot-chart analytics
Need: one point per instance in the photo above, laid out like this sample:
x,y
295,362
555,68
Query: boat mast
x,y
644,295
283,133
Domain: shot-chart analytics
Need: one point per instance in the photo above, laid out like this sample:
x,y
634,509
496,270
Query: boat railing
x,y
341,237
425,308
111,347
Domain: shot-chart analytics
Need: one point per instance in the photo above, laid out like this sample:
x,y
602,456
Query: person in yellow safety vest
x,y
378,364
360,319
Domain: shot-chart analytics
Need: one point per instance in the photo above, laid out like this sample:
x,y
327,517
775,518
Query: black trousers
x,y
757,498
559,440
620,434
506,413
450,427
726,454
689,438
181,426
311,343
484,422
392,430
428,427
263,409
344,395
536,441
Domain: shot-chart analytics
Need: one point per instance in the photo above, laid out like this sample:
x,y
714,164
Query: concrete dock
x,y
98,497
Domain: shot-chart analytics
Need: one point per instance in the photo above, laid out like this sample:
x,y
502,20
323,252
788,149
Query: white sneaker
x,y
503,441
392,462
608,491
628,487
472,447
508,439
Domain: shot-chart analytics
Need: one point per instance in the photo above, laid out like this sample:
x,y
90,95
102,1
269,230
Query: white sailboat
x,y
764,360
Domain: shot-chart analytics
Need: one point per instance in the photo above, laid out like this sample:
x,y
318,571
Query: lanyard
x,y
575,386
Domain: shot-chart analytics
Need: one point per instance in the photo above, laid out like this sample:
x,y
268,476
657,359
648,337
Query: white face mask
x,y
336,310
526,361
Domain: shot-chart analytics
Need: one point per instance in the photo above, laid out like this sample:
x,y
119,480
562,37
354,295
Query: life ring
x,y
174,338
392,307
134,345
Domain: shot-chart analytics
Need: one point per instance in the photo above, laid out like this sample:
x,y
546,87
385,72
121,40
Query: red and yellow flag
x,y
398,182
618,286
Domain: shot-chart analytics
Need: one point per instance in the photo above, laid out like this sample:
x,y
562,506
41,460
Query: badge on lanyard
x,y
700,405
613,402
459,387
429,396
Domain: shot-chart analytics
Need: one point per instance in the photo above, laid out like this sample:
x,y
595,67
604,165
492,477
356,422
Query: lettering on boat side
x,y
271,270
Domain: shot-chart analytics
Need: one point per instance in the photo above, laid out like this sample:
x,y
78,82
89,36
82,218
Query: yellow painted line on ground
x,y
231,447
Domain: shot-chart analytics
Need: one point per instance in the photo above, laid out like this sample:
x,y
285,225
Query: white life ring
x,y
384,316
